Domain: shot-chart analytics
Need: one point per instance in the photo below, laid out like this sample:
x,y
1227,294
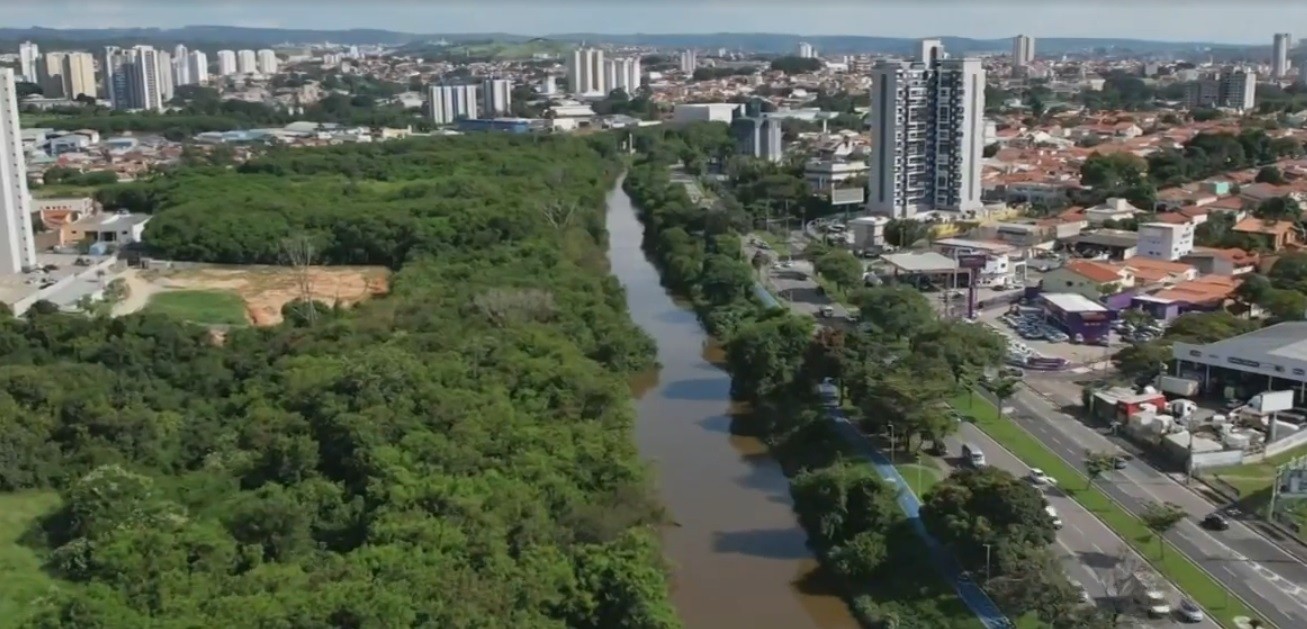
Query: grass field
x,y
20,567
206,307
1191,579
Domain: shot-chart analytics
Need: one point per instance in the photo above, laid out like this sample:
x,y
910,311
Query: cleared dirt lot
x,y
264,289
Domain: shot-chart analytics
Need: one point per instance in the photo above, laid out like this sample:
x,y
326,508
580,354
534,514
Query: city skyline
x,y
1151,19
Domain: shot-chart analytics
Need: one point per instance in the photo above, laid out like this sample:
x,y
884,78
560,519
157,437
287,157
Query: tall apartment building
x,y
1232,89
1164,241
50,74
267,62
1023,50
247,62
497,97
928,134
17,248
181,67
226,62
133,77
806,50
758,137
27,56
585,72
689,61
623,73
447,104
197,67
1280,55
79,74
165,75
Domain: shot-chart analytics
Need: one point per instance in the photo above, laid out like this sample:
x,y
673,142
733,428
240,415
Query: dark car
x,y
1215,522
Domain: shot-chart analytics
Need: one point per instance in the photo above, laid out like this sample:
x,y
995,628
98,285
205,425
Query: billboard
x,y
846,196
1272,401
972,260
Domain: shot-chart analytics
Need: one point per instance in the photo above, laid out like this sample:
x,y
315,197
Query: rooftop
x,y
1280,341
112,221
921,262
1073,302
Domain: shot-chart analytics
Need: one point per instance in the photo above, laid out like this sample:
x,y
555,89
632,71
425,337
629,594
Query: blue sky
x,y
1250,21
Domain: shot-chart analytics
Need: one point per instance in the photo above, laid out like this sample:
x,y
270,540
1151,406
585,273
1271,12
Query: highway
x,y
1091,553
1268,578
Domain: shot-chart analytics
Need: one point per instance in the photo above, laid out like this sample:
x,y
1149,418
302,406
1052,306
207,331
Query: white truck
x,y
1176,385
1148,593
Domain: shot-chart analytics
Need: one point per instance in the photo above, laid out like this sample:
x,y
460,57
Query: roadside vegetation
x,y
200,306
457,453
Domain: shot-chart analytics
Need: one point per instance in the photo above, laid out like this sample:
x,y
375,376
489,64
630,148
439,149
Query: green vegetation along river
x,y
739,556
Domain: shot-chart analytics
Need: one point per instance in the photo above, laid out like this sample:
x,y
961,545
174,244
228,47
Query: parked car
x,y
1215,522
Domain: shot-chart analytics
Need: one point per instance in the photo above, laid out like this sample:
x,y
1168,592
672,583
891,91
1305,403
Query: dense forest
x,y
455,454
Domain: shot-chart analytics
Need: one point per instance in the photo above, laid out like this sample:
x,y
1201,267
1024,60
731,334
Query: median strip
x,y
1191,579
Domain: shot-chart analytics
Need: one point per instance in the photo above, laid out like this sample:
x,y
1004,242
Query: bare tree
x,y
300,255
502,306
559,215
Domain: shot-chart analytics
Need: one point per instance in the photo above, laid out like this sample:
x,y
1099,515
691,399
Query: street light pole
x,y
987,562
891,443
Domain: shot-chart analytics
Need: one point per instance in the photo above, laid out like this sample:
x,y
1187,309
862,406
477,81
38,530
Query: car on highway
x,y
1189,611
1121,461
1216,522
1040,479
1052,514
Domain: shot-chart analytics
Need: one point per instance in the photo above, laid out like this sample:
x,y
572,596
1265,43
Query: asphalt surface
x,y
1091,553
1270,579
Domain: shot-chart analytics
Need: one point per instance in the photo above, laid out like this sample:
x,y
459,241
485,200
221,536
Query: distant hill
x,y
759,42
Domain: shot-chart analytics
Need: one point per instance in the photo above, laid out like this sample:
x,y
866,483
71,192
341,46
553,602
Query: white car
x,y
1039,479
1082,592
1190,612
1052,514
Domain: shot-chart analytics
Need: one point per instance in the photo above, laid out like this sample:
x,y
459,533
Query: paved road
x,y
1270,579
1091,553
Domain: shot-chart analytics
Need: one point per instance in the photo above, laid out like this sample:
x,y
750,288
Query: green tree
x,y
841,267
1160,518
768,356
988,506
1142,361
896,312
1003,390
1098,463
1279,209
1271,175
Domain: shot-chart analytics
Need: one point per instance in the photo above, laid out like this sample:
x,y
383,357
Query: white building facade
x,y
27,55
197,67
247,62
585,72
497,97
928,129
1280,55
267,62
689,61
1165,241
1023,50
623,73
447,104
17,247
226,62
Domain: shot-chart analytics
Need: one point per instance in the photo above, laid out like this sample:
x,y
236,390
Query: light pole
x,y
891,443
987,562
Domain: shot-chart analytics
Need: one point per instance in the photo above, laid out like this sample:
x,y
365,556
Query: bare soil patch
x,y
265,289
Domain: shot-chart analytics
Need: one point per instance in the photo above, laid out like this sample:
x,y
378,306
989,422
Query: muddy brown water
x,y
738,555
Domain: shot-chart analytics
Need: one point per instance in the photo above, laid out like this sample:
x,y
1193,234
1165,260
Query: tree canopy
x,y
457,453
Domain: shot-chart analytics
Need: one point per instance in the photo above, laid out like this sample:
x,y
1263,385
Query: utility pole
x,y
988,548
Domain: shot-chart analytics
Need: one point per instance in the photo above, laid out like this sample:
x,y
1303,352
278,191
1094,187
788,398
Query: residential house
x,y
1114,209
1206,293
1088,278
1211,261
1152,272
1277,235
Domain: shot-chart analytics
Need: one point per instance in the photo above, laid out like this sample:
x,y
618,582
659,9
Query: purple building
x,y
1084,320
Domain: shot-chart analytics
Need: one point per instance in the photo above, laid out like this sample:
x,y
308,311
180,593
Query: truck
x,y
1146,591
1176,385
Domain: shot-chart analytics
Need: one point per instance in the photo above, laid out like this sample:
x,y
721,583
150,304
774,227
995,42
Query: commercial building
x,y
1023,50
27,56
1232,89
197,67
118,228
1273,358
704,112
1165,241
1280,55
17,248
623,73
132,78
247,62
447,104
267,62
1084,320
226,62
928,135
806,51
585,72
498,125
689,61
497,97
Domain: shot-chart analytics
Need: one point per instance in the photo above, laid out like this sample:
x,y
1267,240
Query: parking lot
x,y
1059,346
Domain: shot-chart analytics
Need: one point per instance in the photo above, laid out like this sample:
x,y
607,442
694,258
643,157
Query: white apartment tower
x,y
806,50
585,72
17,248
1280,55
267,62
623,73
181,68
447,104
165,76
497,97
132,78
226,62
197,67
928,134
689,61
27,54
79,74
50,74
247,62
1023,50
1231,89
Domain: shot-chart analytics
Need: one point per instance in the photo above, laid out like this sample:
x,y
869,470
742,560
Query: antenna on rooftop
x,y
299,254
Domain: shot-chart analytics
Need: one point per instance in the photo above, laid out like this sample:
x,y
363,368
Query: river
x,y
739,556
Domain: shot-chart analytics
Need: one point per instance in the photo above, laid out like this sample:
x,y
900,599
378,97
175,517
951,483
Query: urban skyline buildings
x,y
247,62
623,73
132,78
17,244
586,72
689,61
226,62
1280,54
1023,50
447,104
497,97
197,64
927,124
806,51
27,55
267,62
